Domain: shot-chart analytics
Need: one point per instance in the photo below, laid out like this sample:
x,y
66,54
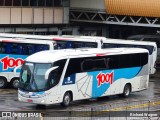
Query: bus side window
x,y
14,48
135,60
112,62
109,45
41,48
144,59
69,44
24,49
94,64
8,48
90,45
3,48
74,66
0,47
79,45
87,65
38,48
21,49
56,74
60,45
122,60
45,47
30,49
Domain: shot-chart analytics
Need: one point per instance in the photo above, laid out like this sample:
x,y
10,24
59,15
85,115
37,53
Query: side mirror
x,y
49,71
15,70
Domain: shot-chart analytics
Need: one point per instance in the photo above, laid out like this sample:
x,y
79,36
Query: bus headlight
x,y
42,101
19,99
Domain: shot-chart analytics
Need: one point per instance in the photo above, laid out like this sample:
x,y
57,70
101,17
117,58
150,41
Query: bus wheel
x,y
14,83
3,82
127,90
66,99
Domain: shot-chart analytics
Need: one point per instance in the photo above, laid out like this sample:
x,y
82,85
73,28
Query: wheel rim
x,y
1,83
15,83
127,91
67,100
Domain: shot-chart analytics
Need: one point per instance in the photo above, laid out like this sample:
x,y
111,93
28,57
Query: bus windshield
x,y
33,77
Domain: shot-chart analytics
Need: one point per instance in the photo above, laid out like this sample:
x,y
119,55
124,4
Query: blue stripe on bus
x,y
127,73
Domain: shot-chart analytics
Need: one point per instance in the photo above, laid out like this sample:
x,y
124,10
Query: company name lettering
x,y
105,78
11,62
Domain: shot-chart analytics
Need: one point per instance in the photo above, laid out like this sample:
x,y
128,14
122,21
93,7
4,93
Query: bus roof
x,y
120,41
74,38
54,55
25,41
50,37
27,36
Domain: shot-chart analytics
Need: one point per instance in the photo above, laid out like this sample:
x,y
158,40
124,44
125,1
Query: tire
x,y
66,99
3,82
127,90
14,83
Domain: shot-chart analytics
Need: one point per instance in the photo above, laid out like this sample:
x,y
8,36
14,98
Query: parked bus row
x,y
15,48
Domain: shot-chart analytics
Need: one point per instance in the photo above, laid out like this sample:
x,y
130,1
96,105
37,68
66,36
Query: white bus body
x,y
13,52
63,76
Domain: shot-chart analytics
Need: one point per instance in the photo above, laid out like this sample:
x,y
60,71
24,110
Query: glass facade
x,y
35,3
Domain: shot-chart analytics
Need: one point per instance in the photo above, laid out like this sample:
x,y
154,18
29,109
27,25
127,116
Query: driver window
x,y
55,75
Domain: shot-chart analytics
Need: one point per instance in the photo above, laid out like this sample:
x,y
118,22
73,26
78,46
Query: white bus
x,y
13,52
63,76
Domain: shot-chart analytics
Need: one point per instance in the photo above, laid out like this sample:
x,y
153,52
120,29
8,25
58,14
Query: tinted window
x,y
21,49
124,61
144,59
113,62
90,45
74,66
78,65
148,47
94,64
135,60
109,45
55,75
72,44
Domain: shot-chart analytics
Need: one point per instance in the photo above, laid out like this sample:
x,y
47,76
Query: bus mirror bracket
x,y
49,71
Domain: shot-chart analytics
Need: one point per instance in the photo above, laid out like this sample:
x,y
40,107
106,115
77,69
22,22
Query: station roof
x,y
145,8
